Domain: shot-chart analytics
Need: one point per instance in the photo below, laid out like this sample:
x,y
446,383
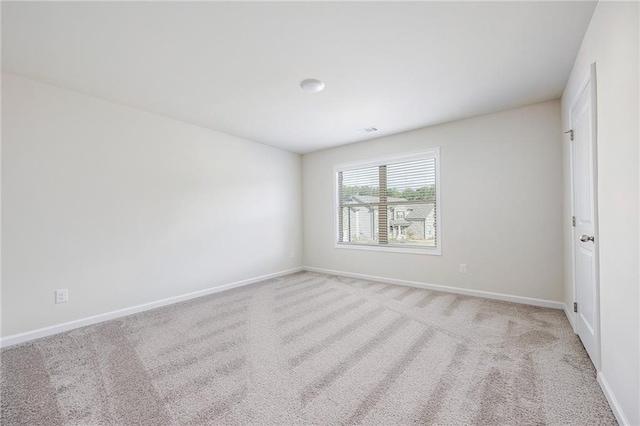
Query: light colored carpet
x,y
310,348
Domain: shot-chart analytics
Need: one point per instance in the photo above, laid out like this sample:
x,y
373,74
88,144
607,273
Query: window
x,y
390,203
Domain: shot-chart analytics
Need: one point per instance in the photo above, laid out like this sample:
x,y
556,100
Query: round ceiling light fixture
x,y
312,85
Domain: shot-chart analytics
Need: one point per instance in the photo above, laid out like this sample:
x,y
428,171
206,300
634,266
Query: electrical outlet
x,y
463,268
62,296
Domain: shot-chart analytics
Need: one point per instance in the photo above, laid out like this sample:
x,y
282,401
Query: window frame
x,y
386,160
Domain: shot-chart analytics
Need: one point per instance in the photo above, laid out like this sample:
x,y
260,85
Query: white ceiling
x,y
236,67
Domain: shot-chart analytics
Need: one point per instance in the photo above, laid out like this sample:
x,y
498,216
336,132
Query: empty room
x,y
320,213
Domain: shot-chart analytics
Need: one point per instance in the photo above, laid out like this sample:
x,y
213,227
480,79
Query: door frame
x,y
589,79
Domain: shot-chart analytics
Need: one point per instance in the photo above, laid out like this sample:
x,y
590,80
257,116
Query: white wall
x,y
611,42
501,186
124,207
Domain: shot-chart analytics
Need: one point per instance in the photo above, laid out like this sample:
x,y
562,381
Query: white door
x,y
583,125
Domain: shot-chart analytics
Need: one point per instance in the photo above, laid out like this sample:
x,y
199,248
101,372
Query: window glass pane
x,y
361,183
412,180
416,228
390,204
360,224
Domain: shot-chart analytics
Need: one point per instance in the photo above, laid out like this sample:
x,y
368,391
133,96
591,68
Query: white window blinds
x,y
390,202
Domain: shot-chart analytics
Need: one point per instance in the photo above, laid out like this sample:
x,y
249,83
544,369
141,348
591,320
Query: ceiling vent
x,y
368,130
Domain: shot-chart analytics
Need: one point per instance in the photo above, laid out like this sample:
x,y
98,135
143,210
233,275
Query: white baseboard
x,y
477,293
83,322
613,401
570,317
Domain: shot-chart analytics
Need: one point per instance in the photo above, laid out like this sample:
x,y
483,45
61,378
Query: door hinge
x,y
570,134
575,306
573,220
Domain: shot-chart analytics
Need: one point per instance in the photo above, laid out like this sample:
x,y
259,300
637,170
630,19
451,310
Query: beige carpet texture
x,y
310,349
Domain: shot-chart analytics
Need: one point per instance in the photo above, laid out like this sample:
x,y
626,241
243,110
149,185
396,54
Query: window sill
x,y
435,251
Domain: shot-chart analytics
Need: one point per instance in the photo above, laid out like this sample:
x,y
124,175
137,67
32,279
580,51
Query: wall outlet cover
x,y
62,295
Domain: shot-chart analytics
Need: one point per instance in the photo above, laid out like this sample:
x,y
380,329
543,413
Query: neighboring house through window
x,y
389,203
